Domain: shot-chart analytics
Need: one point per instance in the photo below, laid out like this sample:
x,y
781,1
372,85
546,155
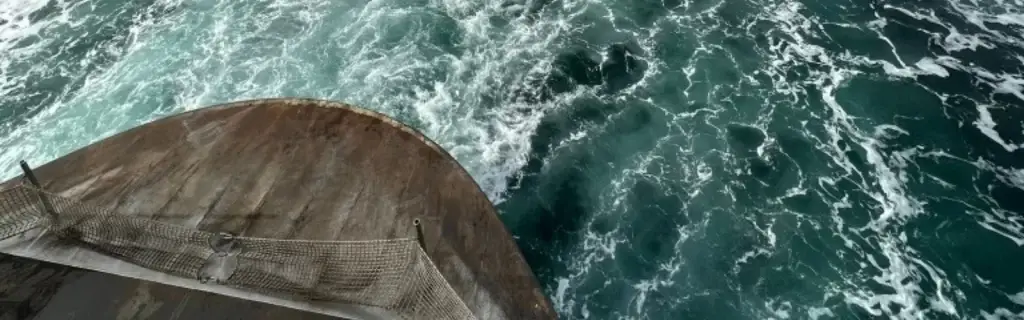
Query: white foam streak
x,y
1017,298
1002,314
986,124
903,269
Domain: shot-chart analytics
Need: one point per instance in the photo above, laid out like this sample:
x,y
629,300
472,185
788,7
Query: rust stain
x,y
226,164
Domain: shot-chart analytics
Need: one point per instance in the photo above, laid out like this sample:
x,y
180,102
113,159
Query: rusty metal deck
x,y
302,169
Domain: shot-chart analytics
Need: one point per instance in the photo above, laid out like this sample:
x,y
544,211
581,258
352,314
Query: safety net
x,y
392,274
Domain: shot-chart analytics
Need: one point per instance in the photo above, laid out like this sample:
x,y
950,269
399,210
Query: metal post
x,y
419,233
47,206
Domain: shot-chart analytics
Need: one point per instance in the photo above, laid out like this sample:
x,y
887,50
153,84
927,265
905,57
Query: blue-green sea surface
x,y
656,159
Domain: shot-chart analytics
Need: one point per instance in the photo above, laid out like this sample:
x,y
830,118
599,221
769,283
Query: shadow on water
x,y
620,68
548,199
656,213
553,208
552,197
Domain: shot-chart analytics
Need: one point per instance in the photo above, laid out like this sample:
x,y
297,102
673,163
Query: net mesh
x,y
394,274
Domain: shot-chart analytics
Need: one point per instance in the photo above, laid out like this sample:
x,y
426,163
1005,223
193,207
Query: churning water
x,y
656,159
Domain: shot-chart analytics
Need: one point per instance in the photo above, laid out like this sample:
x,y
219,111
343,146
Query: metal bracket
x,y
223,243
223,262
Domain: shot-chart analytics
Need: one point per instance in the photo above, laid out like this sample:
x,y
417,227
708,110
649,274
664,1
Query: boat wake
x,y
656,159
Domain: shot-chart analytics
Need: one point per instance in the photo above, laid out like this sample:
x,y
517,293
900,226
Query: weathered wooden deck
x,y
305,169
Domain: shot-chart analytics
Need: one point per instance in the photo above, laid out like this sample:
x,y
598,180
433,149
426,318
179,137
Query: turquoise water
x,y
748,159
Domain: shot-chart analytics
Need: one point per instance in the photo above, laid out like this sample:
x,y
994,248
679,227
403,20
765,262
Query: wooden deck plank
x,y
307,169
